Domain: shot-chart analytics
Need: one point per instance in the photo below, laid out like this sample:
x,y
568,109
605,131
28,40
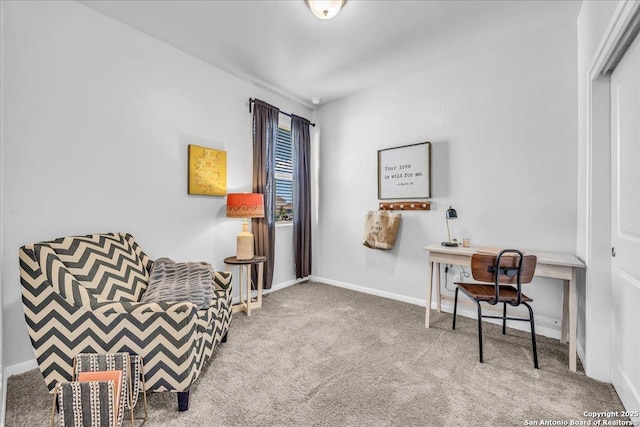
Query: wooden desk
x,y
246,266
550,264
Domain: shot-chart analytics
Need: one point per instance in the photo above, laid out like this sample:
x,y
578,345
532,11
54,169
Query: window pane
x,y
284,159
284,177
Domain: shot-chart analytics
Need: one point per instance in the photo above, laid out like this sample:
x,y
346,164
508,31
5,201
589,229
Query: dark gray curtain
x,y
301,196
265,132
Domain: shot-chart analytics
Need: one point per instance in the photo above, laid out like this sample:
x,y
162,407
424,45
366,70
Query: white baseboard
x,y
546,326
370,291
254,293
284,285
20,368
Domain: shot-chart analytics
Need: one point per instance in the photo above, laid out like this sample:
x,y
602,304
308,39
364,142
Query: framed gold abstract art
x,y
207,171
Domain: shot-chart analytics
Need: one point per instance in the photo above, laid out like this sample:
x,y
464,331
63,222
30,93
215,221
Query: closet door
x,y
625,227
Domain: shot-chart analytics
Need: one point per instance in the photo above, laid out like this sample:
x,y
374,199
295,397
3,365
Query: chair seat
x,y
480,292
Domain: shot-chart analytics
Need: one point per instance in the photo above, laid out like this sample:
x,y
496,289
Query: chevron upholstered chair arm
x,y
222,279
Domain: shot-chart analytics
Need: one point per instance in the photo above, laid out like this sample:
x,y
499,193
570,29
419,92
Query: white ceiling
x,y
281,46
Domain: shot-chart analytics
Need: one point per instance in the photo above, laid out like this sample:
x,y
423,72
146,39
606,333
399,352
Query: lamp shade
x,y
245,205
451,213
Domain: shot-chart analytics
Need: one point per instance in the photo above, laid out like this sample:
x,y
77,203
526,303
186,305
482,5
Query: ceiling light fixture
x,y
315,100
325,9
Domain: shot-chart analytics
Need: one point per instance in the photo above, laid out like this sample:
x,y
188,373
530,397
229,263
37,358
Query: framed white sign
x,y
405,172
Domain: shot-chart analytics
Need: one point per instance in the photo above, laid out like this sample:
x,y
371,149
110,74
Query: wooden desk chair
x,y
507,268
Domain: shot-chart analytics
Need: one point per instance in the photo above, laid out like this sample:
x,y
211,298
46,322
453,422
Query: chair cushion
x,y
105,264
171,281
480,292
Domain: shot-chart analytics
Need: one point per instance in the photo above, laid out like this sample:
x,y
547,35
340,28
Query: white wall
x,y
97,119
501,111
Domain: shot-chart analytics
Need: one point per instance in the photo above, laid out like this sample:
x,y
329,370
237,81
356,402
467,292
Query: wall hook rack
x,y
406,206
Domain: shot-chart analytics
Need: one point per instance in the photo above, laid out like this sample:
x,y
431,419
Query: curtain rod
x,y
251,101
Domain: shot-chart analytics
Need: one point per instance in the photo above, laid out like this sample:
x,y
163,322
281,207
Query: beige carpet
x,y
317,355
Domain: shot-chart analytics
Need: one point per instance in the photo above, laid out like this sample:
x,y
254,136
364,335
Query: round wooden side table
x,y
244,280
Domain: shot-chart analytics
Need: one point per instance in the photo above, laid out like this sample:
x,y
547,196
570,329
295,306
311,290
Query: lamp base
x,y
450,244
244,245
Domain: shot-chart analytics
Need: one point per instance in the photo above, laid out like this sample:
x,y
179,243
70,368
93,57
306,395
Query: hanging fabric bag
x,y
381,229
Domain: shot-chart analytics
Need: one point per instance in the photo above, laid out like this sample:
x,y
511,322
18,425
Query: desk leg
x,y
564,323
260,278
248,273
573,321
438,295
427,314
241,283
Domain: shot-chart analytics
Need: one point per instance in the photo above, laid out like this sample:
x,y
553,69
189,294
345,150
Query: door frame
x,y
597,363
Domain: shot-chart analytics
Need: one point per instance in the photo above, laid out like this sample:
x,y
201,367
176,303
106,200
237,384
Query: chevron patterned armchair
x,y
82,295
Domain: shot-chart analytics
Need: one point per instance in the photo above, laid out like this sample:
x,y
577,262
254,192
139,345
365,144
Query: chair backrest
x,y
110,266
484,267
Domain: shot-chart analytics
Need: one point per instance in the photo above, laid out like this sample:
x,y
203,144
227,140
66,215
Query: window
x,y
284,176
